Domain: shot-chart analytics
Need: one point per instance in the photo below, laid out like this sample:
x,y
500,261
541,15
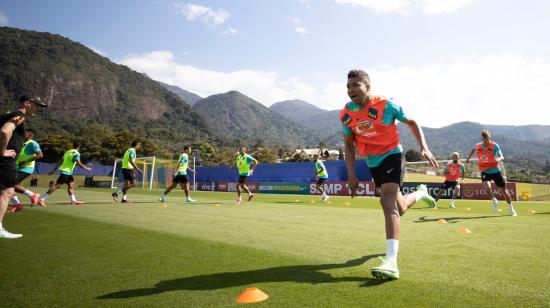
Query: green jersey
x,y
321,170
69,161
129,156
243,164
30,149
184,163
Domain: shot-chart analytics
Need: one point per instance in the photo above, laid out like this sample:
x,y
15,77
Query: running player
x,y
489,157
66,166
25,167
453,170
369,127
245,165
321,176
12,135
180,176
128,166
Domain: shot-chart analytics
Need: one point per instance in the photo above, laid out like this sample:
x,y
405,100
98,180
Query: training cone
x,y
312,201
499,210
441,221
347,203
163,206
464,230
467,209
251,295
434,208
531,211
217,205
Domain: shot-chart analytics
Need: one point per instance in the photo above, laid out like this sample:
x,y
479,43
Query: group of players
x,y
369,129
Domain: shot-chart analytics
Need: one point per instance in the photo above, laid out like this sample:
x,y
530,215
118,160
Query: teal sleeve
x,y
346,131
394,111
249,159
35,147
462,168
76,157
133,154
497,151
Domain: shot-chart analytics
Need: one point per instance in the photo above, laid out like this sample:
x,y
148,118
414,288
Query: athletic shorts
x,y
21,176
449,184
65,179
496,177
242,179
8,173
128,174
320,181
391,170
180,179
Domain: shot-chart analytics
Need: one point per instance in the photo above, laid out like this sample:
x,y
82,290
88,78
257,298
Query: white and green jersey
x,y
69,162
243,164
321,170
30,149
184,163
129,156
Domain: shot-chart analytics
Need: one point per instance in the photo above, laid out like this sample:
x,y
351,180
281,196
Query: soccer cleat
x,y
190,200
512,210
115,196
495,205
387,270
452,205
250,197
238,202
34,199
162,198
7,235
124,201
16,207
324,198
76,202
41,202
425,196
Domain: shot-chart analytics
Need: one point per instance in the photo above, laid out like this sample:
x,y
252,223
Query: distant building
x,y
324,153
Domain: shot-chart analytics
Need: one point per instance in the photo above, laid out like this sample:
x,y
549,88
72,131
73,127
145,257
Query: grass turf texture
x,y
298,252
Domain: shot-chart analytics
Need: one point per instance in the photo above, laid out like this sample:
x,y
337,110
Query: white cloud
x,y
490,89
301,30
308,3
298,26
429,7
231,31
205,14
4,20
99,52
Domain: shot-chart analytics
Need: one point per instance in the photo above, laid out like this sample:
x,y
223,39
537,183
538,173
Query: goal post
x,y
144,180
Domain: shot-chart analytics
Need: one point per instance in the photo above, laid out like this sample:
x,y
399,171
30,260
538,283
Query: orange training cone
x,y
441,221
464,230
251,295
163,206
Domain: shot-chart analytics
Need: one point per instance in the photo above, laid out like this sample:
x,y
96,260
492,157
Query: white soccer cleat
x,y
387,270
452,205
494,204
512,210
425,196
7,235
191,200
324,198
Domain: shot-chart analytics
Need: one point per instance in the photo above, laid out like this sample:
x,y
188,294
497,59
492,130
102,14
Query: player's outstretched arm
x,y
78,162
469,156
349,150
135,166
418,134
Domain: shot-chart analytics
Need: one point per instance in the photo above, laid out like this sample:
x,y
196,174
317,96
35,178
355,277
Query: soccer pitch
x,y
301,252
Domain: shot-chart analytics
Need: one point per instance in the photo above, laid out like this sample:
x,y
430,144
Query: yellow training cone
x,y
467,209
163,206
464,230
312,201
251,295
347,203
531,211
217,204
441,221
434,208
499,210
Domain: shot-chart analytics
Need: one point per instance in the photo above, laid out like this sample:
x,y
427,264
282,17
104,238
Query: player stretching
x,y
66,166
369,128
180,176
321,176
244,163
128,165
489,156
25,167
452,172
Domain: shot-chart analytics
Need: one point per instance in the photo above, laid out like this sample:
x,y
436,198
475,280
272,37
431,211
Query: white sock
x,y
15,200
73,198
124,197
1,228
239,198
44,196
392,246
28,193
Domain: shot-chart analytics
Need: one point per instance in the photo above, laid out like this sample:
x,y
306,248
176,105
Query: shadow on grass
x,y
543,213
295,273
454,219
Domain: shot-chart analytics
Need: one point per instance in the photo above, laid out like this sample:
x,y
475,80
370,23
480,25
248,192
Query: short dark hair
x,y
135,142
359,74
485,133
185,148
76,144
30,130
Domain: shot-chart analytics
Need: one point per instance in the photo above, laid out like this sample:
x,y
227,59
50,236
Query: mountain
x,y
189,97
234,115
308,115
84,88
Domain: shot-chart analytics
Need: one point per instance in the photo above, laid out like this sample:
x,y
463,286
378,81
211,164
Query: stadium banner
x,y
232,186
300,188
341,188
207,186
433,189
477,191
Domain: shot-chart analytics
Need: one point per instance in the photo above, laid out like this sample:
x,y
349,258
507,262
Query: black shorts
x,y
65,179
128,174
496,177
8,173
449,184
320,181
180,179
391,170
242,179
21,176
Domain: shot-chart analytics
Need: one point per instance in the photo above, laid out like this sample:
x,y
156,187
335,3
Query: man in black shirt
x,y
12,132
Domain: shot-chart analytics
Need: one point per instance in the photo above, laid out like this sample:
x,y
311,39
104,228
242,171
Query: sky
x,y
443,61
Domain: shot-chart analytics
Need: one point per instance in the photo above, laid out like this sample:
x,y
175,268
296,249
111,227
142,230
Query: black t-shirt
x,y
18,137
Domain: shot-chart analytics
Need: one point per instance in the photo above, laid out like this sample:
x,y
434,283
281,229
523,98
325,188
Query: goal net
x,y
144,180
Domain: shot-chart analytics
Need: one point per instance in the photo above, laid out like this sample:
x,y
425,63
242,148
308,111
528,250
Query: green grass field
x,y
301,252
